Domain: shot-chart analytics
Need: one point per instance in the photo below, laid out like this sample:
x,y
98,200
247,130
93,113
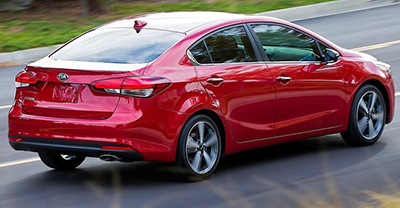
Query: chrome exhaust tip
x,y
109,158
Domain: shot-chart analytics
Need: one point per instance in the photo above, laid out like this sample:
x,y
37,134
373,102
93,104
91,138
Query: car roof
x,y
181,22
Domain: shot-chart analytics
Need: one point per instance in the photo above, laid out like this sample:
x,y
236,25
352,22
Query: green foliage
x,y
235,6
18,33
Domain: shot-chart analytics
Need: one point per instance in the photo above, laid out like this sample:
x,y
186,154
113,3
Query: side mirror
x,y
330,56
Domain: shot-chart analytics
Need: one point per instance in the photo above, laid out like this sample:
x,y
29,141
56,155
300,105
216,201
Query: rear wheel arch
x,y
196,167
218,121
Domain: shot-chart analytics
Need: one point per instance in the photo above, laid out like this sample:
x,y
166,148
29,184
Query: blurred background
x,y
317,172
36,23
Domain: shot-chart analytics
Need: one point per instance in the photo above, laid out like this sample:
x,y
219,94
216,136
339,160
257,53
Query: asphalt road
x,y
317,172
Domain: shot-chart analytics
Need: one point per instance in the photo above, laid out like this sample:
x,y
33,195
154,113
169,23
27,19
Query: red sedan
x,y
190,87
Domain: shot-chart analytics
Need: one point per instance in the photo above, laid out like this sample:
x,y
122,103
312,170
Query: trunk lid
x,y
73,97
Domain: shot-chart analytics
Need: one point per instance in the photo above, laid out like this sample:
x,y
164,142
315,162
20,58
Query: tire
x,y
198,154
366,123
61,162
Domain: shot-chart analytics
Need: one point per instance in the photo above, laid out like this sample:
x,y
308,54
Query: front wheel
x,y
199,149
60,161
367,117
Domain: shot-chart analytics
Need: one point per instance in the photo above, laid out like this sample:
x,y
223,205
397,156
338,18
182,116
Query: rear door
x,y
309,95
240,85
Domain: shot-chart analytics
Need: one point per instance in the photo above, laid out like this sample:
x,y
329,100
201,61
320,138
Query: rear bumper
x,y
151,131
87,149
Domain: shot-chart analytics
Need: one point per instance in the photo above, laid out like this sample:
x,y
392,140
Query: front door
x,y
310,95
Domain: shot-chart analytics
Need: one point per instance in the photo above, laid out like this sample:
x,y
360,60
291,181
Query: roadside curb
x,y
9,64
290,14
26,56
326,9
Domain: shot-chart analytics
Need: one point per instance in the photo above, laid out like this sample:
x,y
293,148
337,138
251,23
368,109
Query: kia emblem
x,y
62,77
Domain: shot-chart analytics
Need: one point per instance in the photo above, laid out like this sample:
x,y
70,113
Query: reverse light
x,y
24,79
133,86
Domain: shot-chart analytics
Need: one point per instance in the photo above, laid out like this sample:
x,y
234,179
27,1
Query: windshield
x,y
118,45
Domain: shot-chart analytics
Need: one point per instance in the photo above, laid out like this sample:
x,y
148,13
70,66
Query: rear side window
x,y
119,45
227,46
200,53
285,44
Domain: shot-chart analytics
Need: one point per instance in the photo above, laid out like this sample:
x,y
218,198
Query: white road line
x,y
5,106
376,46
397,94
19,162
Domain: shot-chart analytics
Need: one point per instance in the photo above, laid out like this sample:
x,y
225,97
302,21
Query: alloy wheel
x,y
202,147
370,115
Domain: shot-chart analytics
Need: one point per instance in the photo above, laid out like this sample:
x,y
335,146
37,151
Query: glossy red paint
x,y
312,100
245,97
139,25
252,106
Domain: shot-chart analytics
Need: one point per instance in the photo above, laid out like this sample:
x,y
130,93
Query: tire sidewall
x,y
353,113
54,160
181,159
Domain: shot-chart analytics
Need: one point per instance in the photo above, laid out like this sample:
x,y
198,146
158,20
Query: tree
x,y
14,5
91,6
88,6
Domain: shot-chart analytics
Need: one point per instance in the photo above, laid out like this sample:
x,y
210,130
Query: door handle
x,y
215,80
283,79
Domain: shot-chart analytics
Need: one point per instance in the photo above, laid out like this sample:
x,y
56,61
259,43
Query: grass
x,y
52,25
235,6
23,34
384,200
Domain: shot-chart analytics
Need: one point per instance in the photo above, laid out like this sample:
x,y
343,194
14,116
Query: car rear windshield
x,y
118,45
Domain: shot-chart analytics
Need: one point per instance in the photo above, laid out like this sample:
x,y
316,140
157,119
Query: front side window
x,y
227,46
118,45
323,47
285,44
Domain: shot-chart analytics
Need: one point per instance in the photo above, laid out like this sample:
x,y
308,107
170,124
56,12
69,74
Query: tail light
x,y
133,86
24,79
